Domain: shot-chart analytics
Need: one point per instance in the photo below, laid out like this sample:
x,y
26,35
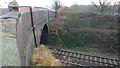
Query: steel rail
x,y
87,58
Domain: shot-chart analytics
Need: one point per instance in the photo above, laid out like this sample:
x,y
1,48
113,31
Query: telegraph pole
x,y
33,26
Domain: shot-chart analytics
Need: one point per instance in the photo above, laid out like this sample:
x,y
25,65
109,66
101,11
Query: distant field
x,y
97,30
0,51
9,52
9,45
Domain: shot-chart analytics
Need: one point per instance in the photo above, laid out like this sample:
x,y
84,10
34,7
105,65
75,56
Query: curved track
x,y
81,59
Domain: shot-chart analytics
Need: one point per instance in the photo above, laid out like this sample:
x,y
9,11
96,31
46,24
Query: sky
x,y
46,3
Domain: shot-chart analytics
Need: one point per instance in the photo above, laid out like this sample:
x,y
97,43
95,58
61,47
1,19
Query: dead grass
x,y
98,30
8,35
42,56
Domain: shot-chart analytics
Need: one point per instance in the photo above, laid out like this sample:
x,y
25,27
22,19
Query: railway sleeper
x,y
96,59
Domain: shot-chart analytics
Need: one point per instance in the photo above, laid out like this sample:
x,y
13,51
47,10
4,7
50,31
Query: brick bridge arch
x,y
44,35
25,35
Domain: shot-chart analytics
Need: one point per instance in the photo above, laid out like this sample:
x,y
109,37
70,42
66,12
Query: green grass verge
x,y
10,55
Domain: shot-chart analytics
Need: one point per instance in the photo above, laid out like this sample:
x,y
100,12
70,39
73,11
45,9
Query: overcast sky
x,y
46,3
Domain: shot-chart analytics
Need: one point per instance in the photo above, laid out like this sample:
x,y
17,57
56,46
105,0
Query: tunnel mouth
x,y
44,35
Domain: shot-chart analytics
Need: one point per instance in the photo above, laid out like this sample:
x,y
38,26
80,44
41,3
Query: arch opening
x,y
44,35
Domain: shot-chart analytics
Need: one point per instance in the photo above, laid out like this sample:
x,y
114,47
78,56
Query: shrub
x,y
42,56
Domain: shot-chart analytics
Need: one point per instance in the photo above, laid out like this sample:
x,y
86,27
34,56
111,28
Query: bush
x,y
42,56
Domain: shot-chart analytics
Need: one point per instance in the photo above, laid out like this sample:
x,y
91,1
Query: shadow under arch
x,y
44,35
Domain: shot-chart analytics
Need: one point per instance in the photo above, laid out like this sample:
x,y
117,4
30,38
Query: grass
x,y
55,40
95,34
91,52
82,32
42,56
10,55
0,51
87,41
9,49
97,22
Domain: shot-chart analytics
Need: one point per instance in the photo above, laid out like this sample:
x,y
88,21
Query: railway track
x,y
81,59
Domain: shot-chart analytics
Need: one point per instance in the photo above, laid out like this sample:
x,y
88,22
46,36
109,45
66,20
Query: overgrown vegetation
x,y
86,31
42,56
104,6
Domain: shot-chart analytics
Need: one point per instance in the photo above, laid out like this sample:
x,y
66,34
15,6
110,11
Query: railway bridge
x,y
32,28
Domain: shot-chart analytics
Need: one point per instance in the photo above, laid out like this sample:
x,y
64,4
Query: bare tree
x,y
104,5
57,4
